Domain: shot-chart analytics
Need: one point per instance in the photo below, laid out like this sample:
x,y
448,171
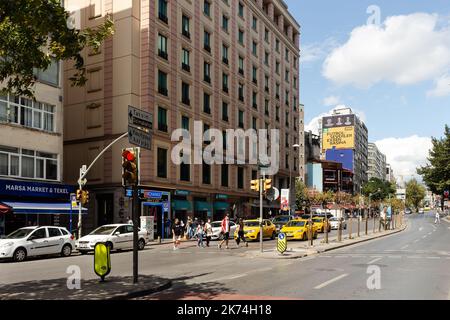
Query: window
x,y
225,54
241,65
255,100
240,178
255,24
206,103
266,107
241,37
277,114
39,234
31,164
225,82
207,41
185,93
255,48
225,111
254,123
266,58
162,10
287,98
185,27
287,119
206,173
162,83
185,122
286,76
225,23
286,139
287,54
241,92
206,133
185,60
162,163
277,91
277,67
207,8
162,119
277,45
54,232
255,75
287,162
241,119
185,170
207,72
28,113
50,75
266,83
254,174
295,82
224,139
266,35
224,175
162,46
241,10
295,103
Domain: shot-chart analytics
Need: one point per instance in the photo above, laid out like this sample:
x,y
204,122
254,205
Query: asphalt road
x,y
412,264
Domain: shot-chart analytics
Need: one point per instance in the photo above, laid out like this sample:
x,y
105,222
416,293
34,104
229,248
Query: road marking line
x,y
433,257
395,257
374,260
341,256
326,283
229,277
261,270
413,257
326,256
404,247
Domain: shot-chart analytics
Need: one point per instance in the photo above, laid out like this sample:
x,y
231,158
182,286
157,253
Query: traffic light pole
x,y
135,231
261,187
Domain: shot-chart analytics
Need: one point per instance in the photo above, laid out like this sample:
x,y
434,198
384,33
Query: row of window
x,y
185,170
28,113
15,162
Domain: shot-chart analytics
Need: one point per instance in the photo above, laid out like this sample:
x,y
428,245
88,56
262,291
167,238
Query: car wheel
x,y
141,244
20,255
66,250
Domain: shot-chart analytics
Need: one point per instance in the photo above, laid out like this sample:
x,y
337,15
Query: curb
x,y
143,293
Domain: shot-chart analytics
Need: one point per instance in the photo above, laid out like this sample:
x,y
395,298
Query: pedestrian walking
x,y
240,233
177,231
208,231
189,228
437,218
200,234
225,230
129,220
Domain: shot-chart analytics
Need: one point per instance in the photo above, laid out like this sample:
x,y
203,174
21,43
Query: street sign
x,y
140,118
73,200
281,243
139,137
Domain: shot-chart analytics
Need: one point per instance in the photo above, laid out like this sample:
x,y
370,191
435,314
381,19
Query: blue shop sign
x,y
153,194
35,189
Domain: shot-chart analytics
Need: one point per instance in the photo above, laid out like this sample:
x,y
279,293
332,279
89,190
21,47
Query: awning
x,y
203,206
221,205
181,205
43,208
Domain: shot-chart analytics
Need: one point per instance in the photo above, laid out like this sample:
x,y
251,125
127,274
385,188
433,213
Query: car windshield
x,y
295,224
251,223
280,219
333,219
18,234
104,230
317,220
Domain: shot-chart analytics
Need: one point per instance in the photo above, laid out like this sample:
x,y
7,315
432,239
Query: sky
x,y
387,60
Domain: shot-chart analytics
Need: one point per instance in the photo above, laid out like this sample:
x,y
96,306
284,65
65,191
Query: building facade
x,y
345,140
31,156
377,163
390,174
230,64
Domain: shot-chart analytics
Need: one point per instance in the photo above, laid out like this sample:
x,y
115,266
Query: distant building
x,y
312,146
345,140
390,174
323,176
377,163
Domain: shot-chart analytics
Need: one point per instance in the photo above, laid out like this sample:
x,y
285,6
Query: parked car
x,y
320,222
421,211
217,228
334,223
115,236
252,229
408,211
297,229
280,221
36,241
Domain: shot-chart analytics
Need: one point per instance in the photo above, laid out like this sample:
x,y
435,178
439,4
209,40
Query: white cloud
x,y
405,154
317,51
404,50
314,124
442,87
331,101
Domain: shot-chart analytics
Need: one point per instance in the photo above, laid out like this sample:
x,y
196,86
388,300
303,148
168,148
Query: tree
x,y
436,174
386,188
415,193
33,33
301,193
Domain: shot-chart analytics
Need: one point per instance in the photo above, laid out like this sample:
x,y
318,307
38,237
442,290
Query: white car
x,y
36,241
334,223
116,236
217,228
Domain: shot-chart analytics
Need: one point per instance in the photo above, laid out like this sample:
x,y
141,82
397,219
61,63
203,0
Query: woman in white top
x,y
208,231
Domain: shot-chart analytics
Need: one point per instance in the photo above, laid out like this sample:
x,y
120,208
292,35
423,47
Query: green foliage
x,y
301,193
386,188
415,193
436,174
32,33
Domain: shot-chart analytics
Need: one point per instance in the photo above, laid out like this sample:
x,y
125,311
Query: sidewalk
x,y
114,288
300,249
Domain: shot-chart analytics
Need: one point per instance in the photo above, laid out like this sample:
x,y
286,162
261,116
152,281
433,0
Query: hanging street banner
x,y
284,199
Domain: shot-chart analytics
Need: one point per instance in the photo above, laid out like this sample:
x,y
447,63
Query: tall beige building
x,y
229,63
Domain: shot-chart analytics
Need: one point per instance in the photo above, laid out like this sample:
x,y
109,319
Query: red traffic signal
x,y
128,155
129,167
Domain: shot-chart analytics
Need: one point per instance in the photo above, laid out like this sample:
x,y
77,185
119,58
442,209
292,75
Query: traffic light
x,y
79,194
129,167
84,197
267,184
255,185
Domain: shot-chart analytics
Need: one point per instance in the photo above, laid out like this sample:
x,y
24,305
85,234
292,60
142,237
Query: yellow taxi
x,y
251,229
297,229
319,223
